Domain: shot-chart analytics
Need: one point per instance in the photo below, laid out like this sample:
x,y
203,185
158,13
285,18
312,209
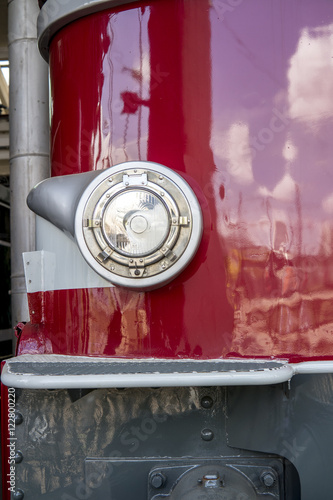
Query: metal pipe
x,y
29,138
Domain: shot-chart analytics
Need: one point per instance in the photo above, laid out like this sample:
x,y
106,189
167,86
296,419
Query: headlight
x,y
138,224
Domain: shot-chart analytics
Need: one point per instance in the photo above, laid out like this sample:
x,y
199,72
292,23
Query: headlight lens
x,y
138,224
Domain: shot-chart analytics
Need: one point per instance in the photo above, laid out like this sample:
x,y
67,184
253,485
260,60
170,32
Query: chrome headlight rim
x,y
175,192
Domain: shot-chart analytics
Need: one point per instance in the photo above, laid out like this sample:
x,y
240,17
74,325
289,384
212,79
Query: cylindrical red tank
x,y
237,98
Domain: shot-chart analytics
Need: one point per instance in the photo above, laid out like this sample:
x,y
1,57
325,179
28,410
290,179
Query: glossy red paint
x,y
239,101
116,322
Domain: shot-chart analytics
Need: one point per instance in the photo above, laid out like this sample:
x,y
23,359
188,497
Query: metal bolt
x,y
18,457
157,480
268,478
207,434
18,495
18,418
207,402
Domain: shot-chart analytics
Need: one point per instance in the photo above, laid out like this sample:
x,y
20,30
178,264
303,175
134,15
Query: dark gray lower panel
x,y
295,422
107,443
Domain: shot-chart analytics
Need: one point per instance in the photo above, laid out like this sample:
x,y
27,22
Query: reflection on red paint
x,y
223,101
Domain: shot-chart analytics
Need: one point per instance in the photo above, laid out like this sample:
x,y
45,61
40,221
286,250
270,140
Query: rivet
x,y
18,457
157,480
137,272
135,171
207,434
126,183
18,495
161,177
206,402
18,416
131,260
108,196
141,260
110,179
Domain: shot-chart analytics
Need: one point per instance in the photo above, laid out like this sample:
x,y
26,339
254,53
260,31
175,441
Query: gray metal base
x,y
139,444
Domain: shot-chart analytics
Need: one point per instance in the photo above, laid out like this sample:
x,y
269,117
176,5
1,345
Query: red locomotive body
x,y
180,292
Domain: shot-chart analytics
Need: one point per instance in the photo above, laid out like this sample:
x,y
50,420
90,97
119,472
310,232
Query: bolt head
x,y
207,434
18,495
18,418
206,402
18,457
157,480
268,478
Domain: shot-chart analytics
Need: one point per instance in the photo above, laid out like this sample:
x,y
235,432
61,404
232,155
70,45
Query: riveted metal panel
x,y
109,440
